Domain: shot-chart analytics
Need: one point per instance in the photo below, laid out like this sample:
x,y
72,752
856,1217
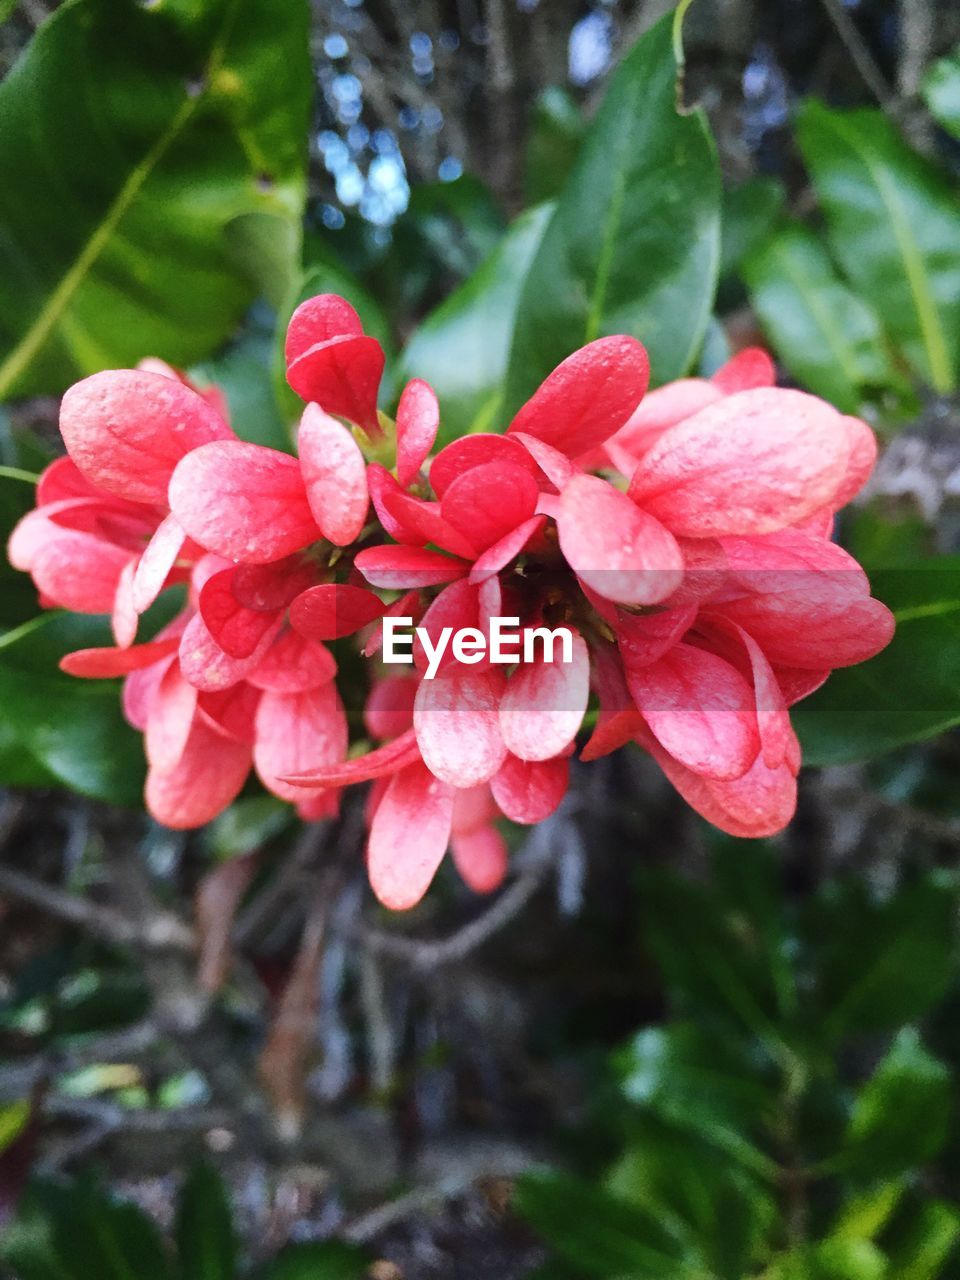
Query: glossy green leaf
x,y
634,244
925,1242
881,964
911,690
462,347
894,224
827,336
328,1260
206,1248
749,212
131,137
597,1232
941,92
72,730
557,128
900,1116
831,1260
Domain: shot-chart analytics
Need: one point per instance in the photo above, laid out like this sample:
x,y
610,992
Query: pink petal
x,y
644,638
243,501
748,369
268,587
342,375
389,707
508,548
104,664
588,397
481,858
79,571
335,476
127,430
618,720
319,319
396,568
382,486
169,720
700,709
293,664
778,742
420,522
209,776
456,719
530,790
296,732
797,684
623,553
124,617
409,836
155,564
661,408
544,705
238,631
332,610
140,689
409,605
752,463
757,805
475,451
384,762
456,606
487,502
556,466
231,712
63,480
205,664
862,458
418,420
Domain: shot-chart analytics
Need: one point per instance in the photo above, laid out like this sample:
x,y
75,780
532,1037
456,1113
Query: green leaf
x,y
329,1260
941,92
749,212
204,1230
71,730
882,963
597,1232
828,338
894,224
246,825
462,347
832,1260
634,244
76,1231
900,1117
911,690
14,1117
925,1242
132,136
557,129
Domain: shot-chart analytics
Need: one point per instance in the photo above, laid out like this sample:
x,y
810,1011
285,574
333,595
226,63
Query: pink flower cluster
x,y
683,536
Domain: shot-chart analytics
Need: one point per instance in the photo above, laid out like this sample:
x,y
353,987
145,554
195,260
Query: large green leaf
x,y
749,213
329,1260
908,692
131,136
925,1241
204,1231
900,1116
557,127
462,347
941,91
827,336
634,244
894,224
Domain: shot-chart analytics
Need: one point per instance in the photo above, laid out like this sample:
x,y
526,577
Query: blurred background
x,y
657,1052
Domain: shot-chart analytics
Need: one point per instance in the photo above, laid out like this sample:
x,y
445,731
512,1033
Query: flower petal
x,y
383,762
126,430
556,466
169,720
293,664
296,732
418,420
417,522
544,704
487,502
508,548
332,610
205,664
700,709
748,369
621,552
752,463
124,617
243,501
476,450
456,719
409,836
319,319
153,567
342,375
481,858
644,638
588,397
396,568
78,570
237,630
335,476
209,776
530,790
104,664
